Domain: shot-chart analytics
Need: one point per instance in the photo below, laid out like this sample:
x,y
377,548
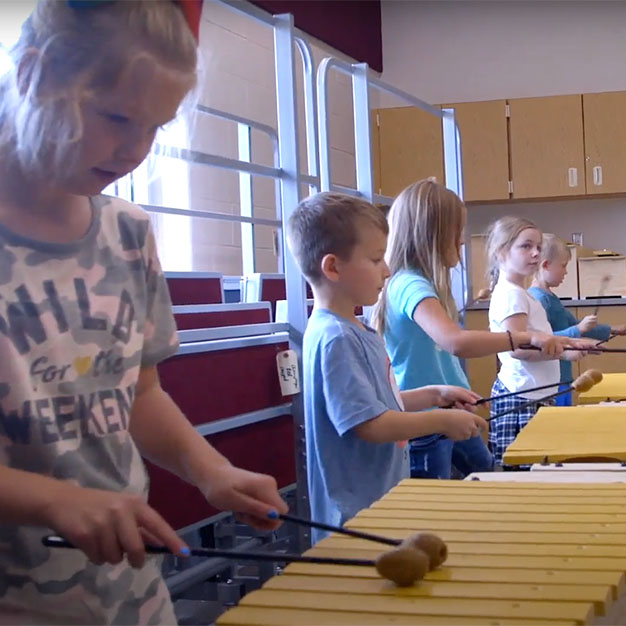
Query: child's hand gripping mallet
x,y
584,382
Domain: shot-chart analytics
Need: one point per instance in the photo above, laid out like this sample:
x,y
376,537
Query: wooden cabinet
x,y
602,276
605,142
484,149
606,362
410,148
481,371
478,264
375,140
551,147
576,371
546,147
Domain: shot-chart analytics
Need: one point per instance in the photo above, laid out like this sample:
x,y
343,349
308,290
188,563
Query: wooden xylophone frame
x,y
518,553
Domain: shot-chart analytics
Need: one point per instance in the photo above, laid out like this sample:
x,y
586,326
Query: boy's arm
x,y
592,330
165,436
555,313
437,395
570,331
353,404
600,331
393,426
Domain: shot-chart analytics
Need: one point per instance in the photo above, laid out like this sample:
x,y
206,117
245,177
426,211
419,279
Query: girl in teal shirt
x,y
417,317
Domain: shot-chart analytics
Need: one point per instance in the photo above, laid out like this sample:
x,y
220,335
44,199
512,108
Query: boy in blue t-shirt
x,y
357,421
552,269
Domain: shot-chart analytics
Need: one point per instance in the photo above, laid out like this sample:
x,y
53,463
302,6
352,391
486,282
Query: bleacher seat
x,y
212,381
267,288
195,287
217,315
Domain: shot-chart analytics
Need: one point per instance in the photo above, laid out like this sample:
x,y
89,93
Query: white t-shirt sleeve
x,y
506,301
516,374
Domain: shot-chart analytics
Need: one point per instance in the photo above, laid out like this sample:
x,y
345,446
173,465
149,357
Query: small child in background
x,y
416,314
555,255
354,412
514,252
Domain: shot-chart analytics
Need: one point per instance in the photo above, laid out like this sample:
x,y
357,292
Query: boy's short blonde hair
x,y
553,247
327,223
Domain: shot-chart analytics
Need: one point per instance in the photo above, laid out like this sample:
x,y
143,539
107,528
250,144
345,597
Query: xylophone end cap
x,y
435,548
403,565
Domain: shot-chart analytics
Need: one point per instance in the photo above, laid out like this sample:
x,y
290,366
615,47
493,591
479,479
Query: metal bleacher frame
x,y
182,580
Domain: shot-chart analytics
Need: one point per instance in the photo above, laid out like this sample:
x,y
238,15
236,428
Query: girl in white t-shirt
x,y
514,250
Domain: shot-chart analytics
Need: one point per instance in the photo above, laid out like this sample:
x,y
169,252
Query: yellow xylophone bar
x,y
612,387
565,433
518,554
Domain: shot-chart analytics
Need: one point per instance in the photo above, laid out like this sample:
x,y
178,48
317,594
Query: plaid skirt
x,y
503,430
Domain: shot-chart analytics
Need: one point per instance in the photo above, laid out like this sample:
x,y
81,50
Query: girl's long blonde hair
x,y
67,52
426,221
501,235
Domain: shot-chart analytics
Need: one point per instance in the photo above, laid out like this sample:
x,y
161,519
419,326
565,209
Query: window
x,y
164,181
14,12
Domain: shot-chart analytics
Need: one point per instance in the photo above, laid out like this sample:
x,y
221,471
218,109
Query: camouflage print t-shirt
x,y
77,321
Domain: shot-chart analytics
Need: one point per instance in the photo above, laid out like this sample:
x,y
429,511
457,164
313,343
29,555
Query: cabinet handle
x,y
597,175
572,175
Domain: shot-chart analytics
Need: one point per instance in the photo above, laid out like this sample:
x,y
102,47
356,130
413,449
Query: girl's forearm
x,y
26,496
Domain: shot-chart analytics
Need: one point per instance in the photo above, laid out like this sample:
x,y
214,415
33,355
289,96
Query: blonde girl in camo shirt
x,y
85,316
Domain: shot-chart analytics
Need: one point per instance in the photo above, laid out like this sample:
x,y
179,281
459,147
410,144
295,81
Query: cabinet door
x,y
546,146
484,149
478,263
482,371
411,148
576,371
606,361
605,141
375,132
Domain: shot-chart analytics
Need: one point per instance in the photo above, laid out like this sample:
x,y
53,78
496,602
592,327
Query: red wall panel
x,y
352,26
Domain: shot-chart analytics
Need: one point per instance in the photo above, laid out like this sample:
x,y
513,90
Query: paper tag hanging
x,y
288,376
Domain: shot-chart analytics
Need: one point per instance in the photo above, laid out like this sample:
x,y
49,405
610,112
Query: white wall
x,y
462,51
456,51
602,220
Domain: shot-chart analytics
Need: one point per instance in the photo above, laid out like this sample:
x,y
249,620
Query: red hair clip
x,y
192,10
